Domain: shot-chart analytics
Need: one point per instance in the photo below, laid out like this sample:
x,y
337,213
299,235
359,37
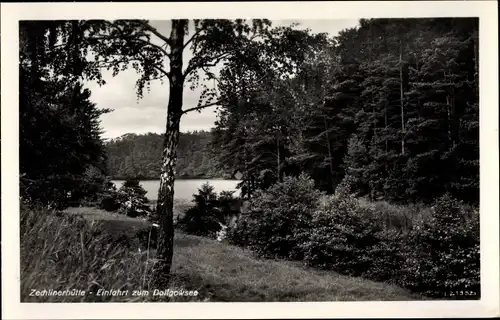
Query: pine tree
x,y
59,126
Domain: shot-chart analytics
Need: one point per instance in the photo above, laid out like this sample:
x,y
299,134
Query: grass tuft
x,y
399,218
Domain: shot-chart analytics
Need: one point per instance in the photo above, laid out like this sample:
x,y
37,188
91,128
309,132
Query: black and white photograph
x,y
251,158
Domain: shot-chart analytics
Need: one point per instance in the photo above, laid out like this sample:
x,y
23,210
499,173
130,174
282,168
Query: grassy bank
x,y
86,250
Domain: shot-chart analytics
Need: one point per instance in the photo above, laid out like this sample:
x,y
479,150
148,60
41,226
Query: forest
x,y
139,156
359,156
392,106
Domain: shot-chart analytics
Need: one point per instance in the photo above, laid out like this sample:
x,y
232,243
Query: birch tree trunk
x,y
165,203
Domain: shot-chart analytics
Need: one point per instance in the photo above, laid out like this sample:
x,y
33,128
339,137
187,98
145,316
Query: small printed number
x,y
461,293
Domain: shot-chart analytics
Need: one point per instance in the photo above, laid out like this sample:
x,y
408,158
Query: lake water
x,y
184,189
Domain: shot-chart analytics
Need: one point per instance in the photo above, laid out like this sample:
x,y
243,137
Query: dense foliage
x,y
132,198
278,219
392,103
439,257
445,254
340,235
139,156
210,213
97,190
59,126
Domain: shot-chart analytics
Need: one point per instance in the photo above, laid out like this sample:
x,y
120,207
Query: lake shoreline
x,y
176,178
184,188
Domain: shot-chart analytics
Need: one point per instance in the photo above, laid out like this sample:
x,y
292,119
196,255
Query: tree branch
x,y
128,38
211,104
204,106
208,72
192,38
108,65
211,62
166,73
133,38
156,32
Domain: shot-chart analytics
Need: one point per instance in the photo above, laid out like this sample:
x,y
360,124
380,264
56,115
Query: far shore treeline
x,y
139,156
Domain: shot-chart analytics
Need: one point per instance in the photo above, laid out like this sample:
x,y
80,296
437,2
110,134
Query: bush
x,y
277,219
343,236
444,253
91,188
434,251
132,199
99,191
205,218
109,201
386,258
228,204
108,197
56,191
347,236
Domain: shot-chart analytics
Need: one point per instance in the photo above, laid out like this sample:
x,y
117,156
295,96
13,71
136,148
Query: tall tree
x,y
157,55
262,124
326,90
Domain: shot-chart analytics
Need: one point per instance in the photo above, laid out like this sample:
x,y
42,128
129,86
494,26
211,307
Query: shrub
x,y
386,258
443,255
100,191
343,235
132,199
228,204
109,201
92,183
56,191
108,196
276,221
205,218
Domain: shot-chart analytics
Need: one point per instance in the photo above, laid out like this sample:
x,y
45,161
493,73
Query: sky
x,y
131,115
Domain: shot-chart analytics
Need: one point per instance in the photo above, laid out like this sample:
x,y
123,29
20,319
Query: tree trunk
x,y
165,204
448,118
374,119
278,157
330,155
401,98
385,127
248,176
455,120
